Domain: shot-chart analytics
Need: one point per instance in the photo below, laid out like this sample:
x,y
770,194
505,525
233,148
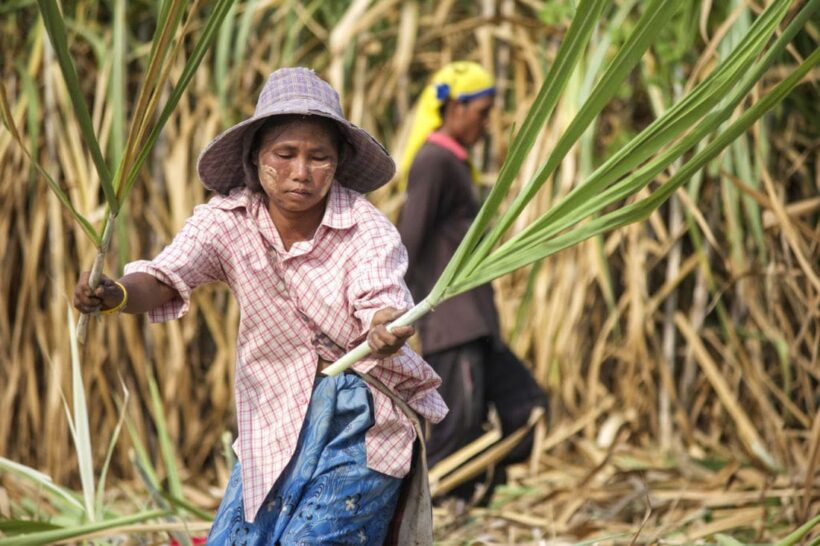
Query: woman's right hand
x,y
107,295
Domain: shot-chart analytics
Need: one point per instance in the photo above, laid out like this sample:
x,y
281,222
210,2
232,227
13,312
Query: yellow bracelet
x,y
119,307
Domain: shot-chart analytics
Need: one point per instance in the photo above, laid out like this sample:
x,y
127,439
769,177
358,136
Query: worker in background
x,y
460,339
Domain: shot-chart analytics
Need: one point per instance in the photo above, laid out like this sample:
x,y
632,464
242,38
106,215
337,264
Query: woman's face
x,y
296,162
469,119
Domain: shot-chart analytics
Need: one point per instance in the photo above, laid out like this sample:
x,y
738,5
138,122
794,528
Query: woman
x,y
315,269
461,340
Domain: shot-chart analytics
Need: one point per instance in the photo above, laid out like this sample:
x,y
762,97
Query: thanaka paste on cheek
x,y
329,169
269,172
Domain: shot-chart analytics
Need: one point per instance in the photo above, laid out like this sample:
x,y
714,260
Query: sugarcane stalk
x,y
96,272
798,534
363,349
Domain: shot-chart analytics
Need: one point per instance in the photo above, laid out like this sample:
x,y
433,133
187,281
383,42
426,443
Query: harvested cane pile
x,y
681,354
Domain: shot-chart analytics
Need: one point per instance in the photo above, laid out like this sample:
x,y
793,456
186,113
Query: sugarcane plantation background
x,y
681,353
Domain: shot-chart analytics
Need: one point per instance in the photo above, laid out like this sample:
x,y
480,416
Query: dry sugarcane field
x,y
651,181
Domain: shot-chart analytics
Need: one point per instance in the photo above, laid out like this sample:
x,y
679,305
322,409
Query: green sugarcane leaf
x,y
295,24
116,85
188,507
592,67
243,33
171,15
208,34
10,6
165,445
731,161
81,430
657,14
140,459
33,111
147,474
566,60
726,540
55,26
110,453
166,449
798,534
221,58
641,210
523,311
8,122
42,480
594,195
227,450
67,533
684,114
496,267
14,527
96,41
119,114
162,15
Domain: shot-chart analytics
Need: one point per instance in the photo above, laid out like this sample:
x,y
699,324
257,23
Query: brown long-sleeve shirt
x,y
441,204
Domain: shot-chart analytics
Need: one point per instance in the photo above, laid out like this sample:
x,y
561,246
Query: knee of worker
x,y
512,389
459,428
515,413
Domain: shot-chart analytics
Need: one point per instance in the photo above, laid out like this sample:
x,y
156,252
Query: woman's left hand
x,y
382,341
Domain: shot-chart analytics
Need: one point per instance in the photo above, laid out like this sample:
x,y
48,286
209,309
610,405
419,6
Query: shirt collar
x,y
448,143
239,197
338,215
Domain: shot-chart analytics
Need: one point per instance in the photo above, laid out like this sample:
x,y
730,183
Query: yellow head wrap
x,y
460,80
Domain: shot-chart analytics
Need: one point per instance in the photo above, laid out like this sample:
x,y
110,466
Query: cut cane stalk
x,y
96,273
363,349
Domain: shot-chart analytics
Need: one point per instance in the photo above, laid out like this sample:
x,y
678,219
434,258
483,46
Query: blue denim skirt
x,y
326,495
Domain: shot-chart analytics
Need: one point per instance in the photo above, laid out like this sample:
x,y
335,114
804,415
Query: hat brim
x,y
365,167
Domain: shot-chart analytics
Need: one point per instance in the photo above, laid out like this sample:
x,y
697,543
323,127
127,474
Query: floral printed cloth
x,y
327,494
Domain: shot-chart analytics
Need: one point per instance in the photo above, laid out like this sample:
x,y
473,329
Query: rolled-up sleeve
x,y
417,389
378,282
189,261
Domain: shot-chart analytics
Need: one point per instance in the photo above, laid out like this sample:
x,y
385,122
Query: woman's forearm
x,y
145,292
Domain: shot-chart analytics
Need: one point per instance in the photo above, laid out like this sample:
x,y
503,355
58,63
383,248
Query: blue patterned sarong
x,y
326,495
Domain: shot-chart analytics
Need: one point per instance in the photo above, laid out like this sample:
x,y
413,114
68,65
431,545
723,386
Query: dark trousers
x,y
476,375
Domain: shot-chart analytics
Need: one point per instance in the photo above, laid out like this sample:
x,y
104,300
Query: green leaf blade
x,y
56,28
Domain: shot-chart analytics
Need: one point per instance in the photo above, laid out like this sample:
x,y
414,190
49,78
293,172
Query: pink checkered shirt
x,y
316,299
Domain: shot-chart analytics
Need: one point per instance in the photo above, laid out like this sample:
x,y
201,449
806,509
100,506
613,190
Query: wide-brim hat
x,y
364,166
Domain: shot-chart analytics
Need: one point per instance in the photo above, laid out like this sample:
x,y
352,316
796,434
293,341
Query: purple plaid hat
x,y
365,166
